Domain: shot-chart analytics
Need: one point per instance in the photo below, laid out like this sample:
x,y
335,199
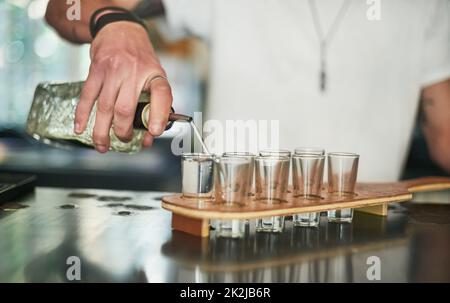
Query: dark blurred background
x,y
31,52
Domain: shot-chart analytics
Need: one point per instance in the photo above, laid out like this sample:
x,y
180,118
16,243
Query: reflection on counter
x,y
324,254
412,243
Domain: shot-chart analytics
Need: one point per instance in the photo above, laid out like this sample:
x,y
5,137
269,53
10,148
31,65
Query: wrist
x,y
121,30
107,15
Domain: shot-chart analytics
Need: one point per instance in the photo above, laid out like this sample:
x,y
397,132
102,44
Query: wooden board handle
x,y
427,184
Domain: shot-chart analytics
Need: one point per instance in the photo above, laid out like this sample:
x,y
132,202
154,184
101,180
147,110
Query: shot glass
x,y
244,155
308,151
232,187
271,184
307,177
197,175
342,174
277,153
252,169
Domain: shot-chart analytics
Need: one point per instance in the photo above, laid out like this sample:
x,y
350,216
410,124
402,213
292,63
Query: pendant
x,y
323,81
323,68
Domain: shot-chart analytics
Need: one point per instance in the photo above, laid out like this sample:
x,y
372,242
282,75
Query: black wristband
x,y
117,14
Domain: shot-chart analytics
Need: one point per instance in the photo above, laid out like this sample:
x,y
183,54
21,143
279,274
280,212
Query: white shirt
x,y
265,66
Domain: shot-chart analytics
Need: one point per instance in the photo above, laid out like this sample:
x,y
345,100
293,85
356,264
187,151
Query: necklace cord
x,y
325,38
334,26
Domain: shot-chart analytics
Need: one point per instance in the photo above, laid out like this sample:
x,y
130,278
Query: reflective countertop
x,y
122,236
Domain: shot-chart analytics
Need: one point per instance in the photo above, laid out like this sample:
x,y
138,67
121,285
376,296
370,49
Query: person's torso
x,y
265,65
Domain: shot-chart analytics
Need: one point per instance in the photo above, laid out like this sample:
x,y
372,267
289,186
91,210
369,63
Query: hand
x,y
122,63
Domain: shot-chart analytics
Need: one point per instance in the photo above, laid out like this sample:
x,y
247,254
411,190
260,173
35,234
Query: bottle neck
x,y
142,115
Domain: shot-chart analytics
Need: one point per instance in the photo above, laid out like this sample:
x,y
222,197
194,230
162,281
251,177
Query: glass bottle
x,y
52,113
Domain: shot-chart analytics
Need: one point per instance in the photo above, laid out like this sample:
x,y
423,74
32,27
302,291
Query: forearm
x,y
435,106
77,31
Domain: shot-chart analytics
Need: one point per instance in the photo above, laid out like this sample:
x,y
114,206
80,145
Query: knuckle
x,y
81,113
157,69
125,111
106,62
162,87
132,61
114,63
81,109
97,63
115,60
86,104
104,107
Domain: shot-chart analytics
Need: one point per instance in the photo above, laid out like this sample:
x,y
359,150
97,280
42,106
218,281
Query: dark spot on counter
x,y
124,213
13,206
113,199
114,205
81,195
139,207
68,206
159,198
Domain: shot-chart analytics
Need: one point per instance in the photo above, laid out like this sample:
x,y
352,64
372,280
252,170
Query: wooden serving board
x,y
192,215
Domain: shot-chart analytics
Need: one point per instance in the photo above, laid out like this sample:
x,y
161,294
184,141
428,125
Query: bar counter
x,y
125,236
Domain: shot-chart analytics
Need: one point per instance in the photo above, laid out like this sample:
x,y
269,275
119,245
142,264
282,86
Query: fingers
x,y
124,111
116,105
161,103
105,112
89,94
148,140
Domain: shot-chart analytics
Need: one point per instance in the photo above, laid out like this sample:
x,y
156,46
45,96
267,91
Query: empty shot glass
x,y
308,216
232,187
252,169
197,175
307,178
271,184
276,153
244,155
342,175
